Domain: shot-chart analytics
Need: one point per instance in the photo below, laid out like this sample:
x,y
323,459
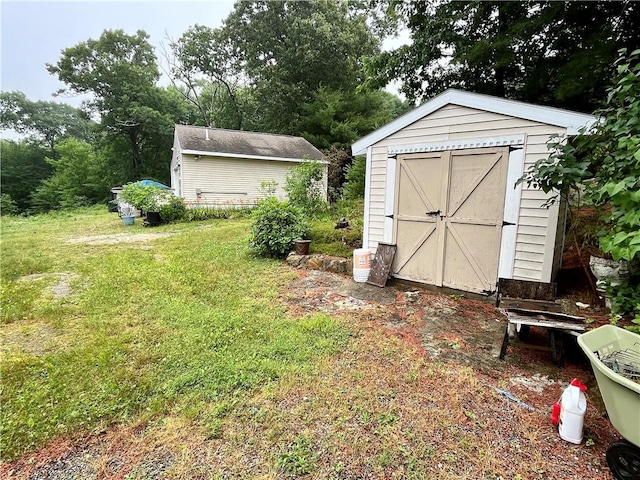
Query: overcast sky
x,y
35,32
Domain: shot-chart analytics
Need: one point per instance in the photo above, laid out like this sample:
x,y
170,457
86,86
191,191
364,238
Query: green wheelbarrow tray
x,y
621,396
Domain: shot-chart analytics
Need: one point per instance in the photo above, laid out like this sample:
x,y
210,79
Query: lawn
x,y
184,356
182,325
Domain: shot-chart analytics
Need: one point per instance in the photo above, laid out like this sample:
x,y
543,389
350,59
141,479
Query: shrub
x,y
304,187
173,210
354,186
275,226
147,198
209,213
7,205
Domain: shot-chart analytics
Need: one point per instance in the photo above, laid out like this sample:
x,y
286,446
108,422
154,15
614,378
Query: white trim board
x,y
572,121
483,142
249,157
367,195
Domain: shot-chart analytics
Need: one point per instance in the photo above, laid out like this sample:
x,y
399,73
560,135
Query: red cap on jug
x,y
577,383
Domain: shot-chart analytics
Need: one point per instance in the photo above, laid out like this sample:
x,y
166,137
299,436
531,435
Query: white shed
x,y
440,184
227,168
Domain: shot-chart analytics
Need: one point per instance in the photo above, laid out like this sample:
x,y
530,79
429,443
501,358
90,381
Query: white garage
x,y
440,185
215,167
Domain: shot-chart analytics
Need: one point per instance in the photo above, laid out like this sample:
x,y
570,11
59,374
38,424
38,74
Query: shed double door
x,y
448,217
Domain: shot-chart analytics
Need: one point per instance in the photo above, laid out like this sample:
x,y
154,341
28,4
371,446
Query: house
x,y
218,167
440,185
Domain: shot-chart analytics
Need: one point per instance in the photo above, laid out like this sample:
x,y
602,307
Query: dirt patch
x,y
33,338
119,238
419,393
61,289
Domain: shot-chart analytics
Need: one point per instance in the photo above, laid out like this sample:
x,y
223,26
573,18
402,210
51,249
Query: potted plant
x,y
147,198
301,246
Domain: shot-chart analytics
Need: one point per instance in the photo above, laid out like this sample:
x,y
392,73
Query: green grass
x,y
183,325
325,238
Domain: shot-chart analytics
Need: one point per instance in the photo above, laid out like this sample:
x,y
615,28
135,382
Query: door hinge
x,y
434,213
488,293
505,223
389,216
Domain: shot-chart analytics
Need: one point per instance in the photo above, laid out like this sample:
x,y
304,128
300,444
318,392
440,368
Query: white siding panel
x,y
530,247
229,181
526,274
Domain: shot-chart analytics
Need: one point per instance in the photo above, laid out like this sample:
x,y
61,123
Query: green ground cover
x,y
183,324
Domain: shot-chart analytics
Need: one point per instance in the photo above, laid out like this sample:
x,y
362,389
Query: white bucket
x,y
573,406
361,264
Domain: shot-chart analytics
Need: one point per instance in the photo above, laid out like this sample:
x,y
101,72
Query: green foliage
x,y
77,179
299,458
604,163
22,169
173,210
275,226
7,205
119,349
625,298
305,185
147,198
541,52
195,214
121,71
327,239
46,121
355,179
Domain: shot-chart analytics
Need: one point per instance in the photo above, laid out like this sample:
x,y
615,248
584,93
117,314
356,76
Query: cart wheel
x,y
624,460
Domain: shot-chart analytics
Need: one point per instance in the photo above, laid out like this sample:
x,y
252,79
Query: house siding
x,y
232,182
537,237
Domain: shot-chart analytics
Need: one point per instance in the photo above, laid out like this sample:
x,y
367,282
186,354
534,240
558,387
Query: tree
x,y
77,179
22,169
604,162
544,52
201,67
288,50
121,72
45,121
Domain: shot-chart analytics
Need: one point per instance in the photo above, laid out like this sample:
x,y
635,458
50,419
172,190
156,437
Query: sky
x,y
35,32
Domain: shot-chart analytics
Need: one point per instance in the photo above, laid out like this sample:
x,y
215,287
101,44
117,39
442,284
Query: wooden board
x,y
524,289
381,265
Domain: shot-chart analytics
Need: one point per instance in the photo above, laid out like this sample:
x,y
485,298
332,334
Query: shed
x,y
227,168
440,184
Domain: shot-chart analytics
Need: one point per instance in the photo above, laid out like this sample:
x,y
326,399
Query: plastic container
x,y
621,396
573,407
361,264
128,220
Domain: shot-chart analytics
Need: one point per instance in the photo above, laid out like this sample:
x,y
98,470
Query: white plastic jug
x,y
573,406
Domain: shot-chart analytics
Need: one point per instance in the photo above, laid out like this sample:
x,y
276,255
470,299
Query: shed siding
x,y
537,236
231,181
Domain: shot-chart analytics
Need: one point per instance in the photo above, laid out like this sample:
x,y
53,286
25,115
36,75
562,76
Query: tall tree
x,y
290,49
202,68
44,121
121,72
546,52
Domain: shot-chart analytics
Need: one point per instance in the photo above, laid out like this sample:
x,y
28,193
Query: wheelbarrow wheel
x,y
624,460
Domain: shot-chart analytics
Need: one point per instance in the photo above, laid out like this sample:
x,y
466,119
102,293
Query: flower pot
x,y
128,220
301,246
153,219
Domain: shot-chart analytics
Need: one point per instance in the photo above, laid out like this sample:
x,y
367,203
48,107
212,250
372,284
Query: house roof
x,y
235,143
572,121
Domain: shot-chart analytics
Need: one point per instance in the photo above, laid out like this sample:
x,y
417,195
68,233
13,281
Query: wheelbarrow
x,y
614,354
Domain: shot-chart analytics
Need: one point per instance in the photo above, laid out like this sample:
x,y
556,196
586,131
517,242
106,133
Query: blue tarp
x,y
146,183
